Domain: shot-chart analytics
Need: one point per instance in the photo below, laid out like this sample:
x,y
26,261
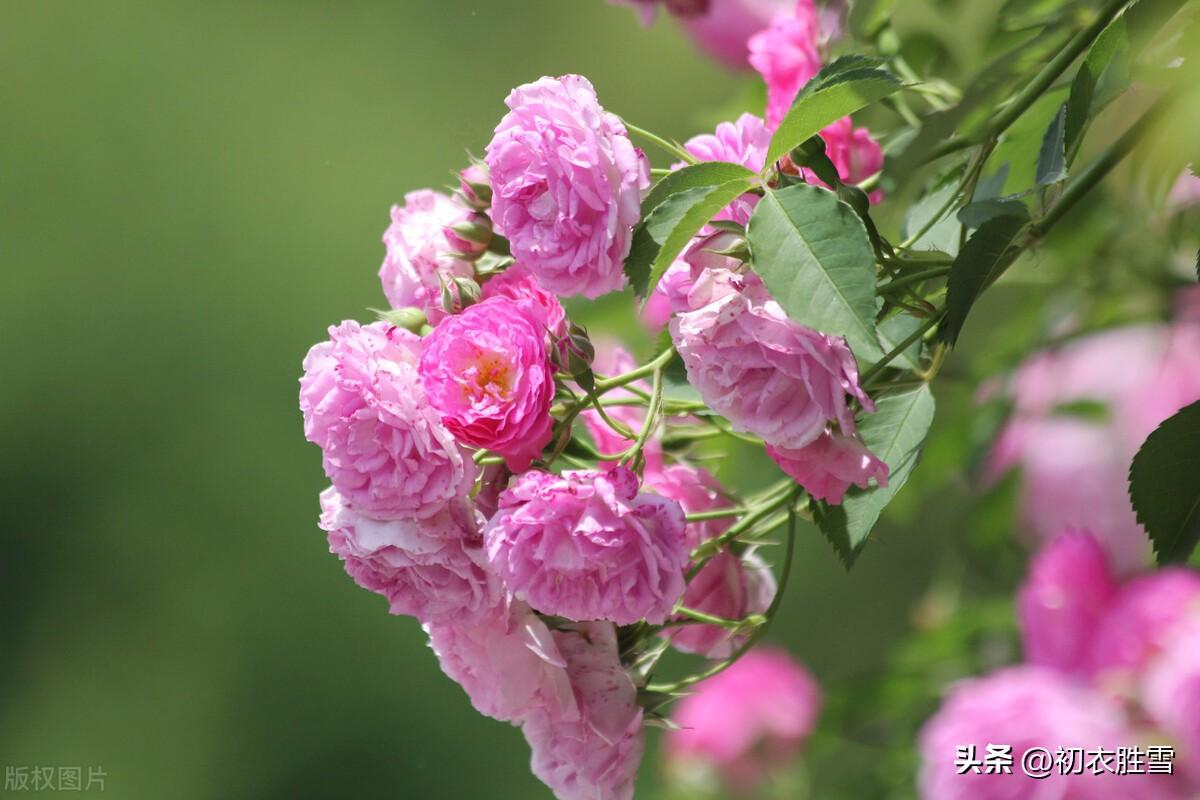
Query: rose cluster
x,y
1109,663
548,594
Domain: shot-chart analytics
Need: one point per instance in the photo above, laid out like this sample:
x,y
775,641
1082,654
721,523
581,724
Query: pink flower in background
x,y
431,569
587,546
1171,693
1028,707
648,9
1142,621
730,587
595,754
854,152
829,465
1186,190
613,360
1065,596
766,374
787,54
746,721
507,662
417,252
517,284
1077,423
742,142
725,31
487,372
567,186
696,490
384,447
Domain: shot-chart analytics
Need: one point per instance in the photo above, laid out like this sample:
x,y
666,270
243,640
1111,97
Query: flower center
x,y
489,375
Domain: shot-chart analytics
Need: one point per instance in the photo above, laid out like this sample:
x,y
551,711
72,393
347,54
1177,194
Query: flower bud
x,y
458,293
409,318
474,186
469,237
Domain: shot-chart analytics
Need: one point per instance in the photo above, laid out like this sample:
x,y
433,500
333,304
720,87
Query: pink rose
x,y
673,294
594,755
747,721
828,466
743,142
431,569
1063,600
587,546
417,253
764,373
728,586
487,372
518,285
854,152
385,449
507,662
787,54
1171,693
724,32
567,186
1027,707
1142,622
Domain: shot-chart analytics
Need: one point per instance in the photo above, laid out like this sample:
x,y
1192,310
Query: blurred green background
x,y
190,194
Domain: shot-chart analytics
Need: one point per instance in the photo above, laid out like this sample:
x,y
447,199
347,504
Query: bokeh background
x,y
189,194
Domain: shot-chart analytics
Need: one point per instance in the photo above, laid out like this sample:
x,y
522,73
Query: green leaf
x,y
812,251
686,213
893,331
894,433
980,212
942,234
1164,486
1052,157
1103,75
840,88
867,17
708,173
977,265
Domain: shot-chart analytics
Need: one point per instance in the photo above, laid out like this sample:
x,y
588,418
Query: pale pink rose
x,y
1077,423
587,546
1143,620
1065,596
418,255
830,465
567,186
431,569
517,284
747,721
385,449
742,142
766,374
487,372
1028,707
673,294
507,662
595,754
1186,191
696,490
787,54
1171,693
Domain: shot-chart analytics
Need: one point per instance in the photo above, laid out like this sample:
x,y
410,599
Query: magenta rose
x,y
567,186
1068,591
487,372
768,375
418,258
517,284
384,447
787,53
595,755
745,722
1171,693
587,545
431,569
1142,622
507,662
829,465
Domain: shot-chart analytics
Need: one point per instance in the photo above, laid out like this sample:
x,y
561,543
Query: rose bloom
x,y
829,465
787,54
1073,464
587,545
517,284
431,569
1067,593
487,372
507,662
567,186
728,586
1171,693
384,447
1029,707
743,142
593,755
766,374
418,254
745,722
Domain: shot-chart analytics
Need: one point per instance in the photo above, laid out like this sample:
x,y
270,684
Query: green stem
x,y
656,396
669,146
718,513
916,277
624,379
912,339
708,619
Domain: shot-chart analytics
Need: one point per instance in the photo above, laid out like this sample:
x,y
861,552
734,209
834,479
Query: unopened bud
x,y
409,318
469,237
474,186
